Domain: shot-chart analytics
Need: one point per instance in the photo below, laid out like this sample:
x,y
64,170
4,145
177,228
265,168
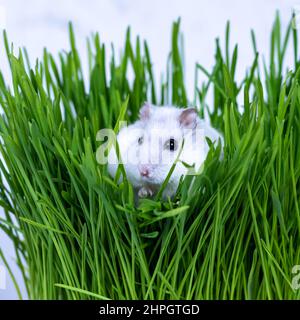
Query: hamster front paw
x,y
145,192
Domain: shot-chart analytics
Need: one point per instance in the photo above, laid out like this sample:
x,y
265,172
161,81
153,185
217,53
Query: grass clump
x,y
231,233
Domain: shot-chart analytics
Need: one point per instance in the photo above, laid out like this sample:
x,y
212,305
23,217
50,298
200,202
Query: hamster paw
x,y
145,192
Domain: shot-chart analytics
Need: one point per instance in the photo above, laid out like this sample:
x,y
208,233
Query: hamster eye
x,y
140,140
171,145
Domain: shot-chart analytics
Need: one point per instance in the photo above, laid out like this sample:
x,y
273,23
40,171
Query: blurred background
x,y
36,24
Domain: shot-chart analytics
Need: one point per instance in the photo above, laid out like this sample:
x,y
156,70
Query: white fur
x,y
161,124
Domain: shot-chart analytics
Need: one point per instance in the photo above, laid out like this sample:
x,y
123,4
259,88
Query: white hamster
x,y
150,146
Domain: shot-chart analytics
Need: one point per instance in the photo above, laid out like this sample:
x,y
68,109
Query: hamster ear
x,y
145,111
188,118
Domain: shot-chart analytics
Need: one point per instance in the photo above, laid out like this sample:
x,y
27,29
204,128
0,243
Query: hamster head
x,y
158,138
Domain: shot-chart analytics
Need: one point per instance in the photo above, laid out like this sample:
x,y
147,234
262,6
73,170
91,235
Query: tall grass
x,y
230,233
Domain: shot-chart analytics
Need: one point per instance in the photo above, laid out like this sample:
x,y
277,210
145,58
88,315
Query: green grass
x,y
231,233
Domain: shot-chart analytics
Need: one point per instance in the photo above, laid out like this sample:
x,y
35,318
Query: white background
x,y
44,23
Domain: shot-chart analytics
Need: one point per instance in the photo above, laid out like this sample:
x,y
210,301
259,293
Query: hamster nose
x,y
144,171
